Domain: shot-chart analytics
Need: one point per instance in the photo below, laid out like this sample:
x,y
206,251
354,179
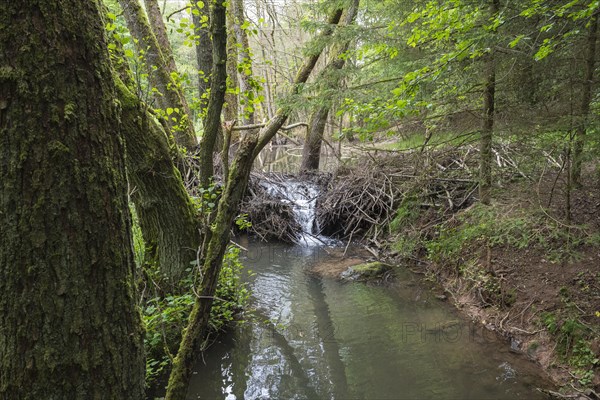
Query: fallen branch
x,y
262,125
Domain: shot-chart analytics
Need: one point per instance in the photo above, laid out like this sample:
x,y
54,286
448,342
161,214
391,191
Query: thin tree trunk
x,y
195,331
231,111
69,327
311,152
160,77
218,86
237,180
200,17
489,91
586,99
244,60
155,17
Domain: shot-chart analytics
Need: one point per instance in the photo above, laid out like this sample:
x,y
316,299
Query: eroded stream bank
x,y
313,337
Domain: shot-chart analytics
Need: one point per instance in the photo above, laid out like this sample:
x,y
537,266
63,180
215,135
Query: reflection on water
x,y
313,338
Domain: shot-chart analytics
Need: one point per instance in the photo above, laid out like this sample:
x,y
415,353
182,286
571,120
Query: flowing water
x,y
316,338
302,196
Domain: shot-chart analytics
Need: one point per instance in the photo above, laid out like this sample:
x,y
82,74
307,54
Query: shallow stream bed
x,y
318,338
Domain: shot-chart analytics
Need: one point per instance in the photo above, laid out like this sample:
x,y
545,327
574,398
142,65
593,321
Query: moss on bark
x,y
160,77
69,328
167,215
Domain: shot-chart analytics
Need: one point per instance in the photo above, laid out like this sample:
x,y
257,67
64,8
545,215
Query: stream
x,y
308,337
317,338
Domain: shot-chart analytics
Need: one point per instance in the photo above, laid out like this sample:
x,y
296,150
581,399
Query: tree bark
x,y
237,180
166,213
170,97
231,111
311,152
586,100
489,91
69,327
244,59
200,17
196,330
218,86
157,24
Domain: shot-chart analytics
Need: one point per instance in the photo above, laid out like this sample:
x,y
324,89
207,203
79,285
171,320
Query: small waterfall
x,y
302,196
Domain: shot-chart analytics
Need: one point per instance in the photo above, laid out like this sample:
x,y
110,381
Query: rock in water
x,y
366,271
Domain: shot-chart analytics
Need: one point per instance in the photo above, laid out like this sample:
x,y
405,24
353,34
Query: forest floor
x,y
552,314
523,270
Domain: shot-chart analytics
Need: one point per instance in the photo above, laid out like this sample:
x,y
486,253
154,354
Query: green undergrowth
x,y
456,240
459,244
166,316
165,312
573,339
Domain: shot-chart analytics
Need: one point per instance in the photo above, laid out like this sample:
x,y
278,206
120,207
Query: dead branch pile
x,y
271,215
363,199
189,166
355,202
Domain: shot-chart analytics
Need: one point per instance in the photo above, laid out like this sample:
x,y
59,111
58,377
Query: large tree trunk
x,y
159,74
485,144
167,216
311,152
586,99
218,86
69,327
237,180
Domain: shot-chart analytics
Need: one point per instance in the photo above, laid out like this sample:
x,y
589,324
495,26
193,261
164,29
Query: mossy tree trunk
x,y
231,99
244,59
69,327
311,152
159,74
166,213
155,18
200,18
239,173
218,86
